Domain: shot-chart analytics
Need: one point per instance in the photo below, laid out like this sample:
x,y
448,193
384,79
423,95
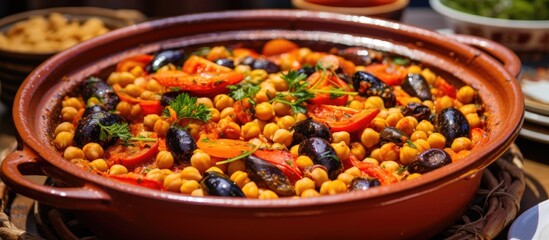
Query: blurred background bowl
x,y
16,65
387,9
518,35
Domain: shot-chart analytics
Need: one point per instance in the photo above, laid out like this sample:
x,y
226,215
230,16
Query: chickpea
x,y
137,71
300,117
283,137
156,174
320,176
92,151
443,103
215,169
371,160
148,95
188,186
418,135
341,137
201,161
422,145
333,187
222,101
153,85
72,152
100,165
237,165
269,130
413,176
149,120
303,162
414,69
198,193
228,112
173,182
133,90
461,143
140,81
342,150
436,140
429,104
393,118
281,109
379,124
279,84
389,152
240,178
135,111
64,127
468,108
268,194
124,108
354,171
345,177
278,146
113,78
369,137
358,105
465,94
262,96
215,114
258,75
164,159
358,150
309,193
303,184
251,190
264,111
285,122
63,140
294,150
117,169
389,166
473,119
68,113
375,102
161,127
407,154
413,100
429,76
72,102
243,69
406,125
425,126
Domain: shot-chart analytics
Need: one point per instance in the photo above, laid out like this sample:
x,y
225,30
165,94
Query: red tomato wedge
x,y
326,81
283,160
391,74
147,106
205,83
223,148
196,64
445,88
132,155
138,180
340,118
129,63
375,171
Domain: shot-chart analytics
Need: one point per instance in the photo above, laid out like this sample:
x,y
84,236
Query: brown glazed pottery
x,y
418,208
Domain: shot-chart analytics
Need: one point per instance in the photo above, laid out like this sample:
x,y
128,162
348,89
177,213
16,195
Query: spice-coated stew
x,y
282,121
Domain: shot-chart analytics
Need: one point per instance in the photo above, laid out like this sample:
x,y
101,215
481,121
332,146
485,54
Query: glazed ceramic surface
x,y
411,209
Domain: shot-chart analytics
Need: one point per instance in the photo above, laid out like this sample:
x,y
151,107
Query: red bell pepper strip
x,y
132,155
326,81
390,74
138,180
340,118
223,148
283,160
375,171
147,106
445,88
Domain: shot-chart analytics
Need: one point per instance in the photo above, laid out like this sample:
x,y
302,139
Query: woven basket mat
x,y
495,206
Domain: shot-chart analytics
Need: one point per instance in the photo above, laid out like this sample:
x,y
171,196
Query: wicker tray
x,y
495,206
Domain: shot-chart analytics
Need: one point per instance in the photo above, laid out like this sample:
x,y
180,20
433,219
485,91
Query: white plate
x,y
535,133
536,118
532,224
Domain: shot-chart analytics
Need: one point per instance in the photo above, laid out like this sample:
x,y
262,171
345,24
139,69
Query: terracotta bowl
x,y
386,9
15,65
411,209
518,35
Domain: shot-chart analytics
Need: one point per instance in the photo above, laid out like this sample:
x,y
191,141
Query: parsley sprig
x,y
185,107
244,91
119,130
298,90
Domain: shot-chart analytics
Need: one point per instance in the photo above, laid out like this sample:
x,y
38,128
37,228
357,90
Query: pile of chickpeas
x,y
271,128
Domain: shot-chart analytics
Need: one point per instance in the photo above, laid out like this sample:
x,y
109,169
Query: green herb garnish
x,y
243,155
411,144
185,107
119,130
297,90
243,91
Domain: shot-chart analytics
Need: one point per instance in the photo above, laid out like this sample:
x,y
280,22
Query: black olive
x,y
93,109
369,85
249,61
180,143
89,129
307,70
416,86
95,87
217,184
363,183
392,134
452,124
164,58
308,128
429,160
268,176
167,97
321,152
357,55
226,62
417,110
268,66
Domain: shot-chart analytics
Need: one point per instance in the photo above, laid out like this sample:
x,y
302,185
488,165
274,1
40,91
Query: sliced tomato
x,y
196,64
479,137
283,160
243,110
129,63
375,171
132,155
223,148
326,81
350,162
138,180
203,84
147,106
401,96
445,88
391,74
340,118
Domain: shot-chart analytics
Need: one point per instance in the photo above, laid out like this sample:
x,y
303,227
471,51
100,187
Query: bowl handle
x,y
510,60
26,162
